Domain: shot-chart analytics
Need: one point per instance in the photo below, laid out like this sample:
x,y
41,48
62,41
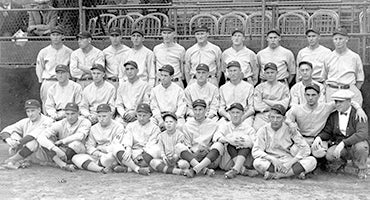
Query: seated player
x,y
238,138
140,141
21,136
65,138
348,136
279,152
169,162
101,140
198,149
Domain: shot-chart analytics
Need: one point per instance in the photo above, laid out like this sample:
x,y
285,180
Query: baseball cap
x,y
114,31
202,66
132,63
98,67
171,114
237,106
32,103
61,68
71,107
143,107
167,68
279,108
314,30
199,102
233,64
270,65
274,30
313,86
305,63
342,95
237,31
103,108
84,34
168,27
57,29
200,28
137,31
340,31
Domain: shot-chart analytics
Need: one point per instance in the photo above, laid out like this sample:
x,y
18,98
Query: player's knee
x,y
180,148
154,151
309,163
183,164
79,159
107,160
32,145
260,165
154,163
219,147
77,146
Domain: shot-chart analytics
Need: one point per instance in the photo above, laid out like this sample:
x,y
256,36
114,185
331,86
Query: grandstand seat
x,y
229,22
204,19
364,28
123,22
292,23
150,25
134,15
244,15
254,23
326,21
163,17
95,28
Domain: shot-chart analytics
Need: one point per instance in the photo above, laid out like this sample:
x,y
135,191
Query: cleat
x,y
144,171
249,172
268,175
210,172
11,165
24,164
232,173
107,170
69,168
362,173
120,169
190,173
301,176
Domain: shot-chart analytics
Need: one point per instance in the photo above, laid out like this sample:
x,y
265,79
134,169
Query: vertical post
x,y
263,24
81,14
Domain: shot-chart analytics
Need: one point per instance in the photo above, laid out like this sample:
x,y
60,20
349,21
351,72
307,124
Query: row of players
x,y
276,150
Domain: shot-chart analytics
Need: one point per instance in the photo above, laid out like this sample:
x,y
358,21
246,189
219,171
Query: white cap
x,y
342,95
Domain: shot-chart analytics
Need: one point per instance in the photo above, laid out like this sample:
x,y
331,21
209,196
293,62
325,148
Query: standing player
x,y
236,91
275,53
314,53
65,138
343,68
98,92
168,97
205,90
246,57
48,58
102,138
21,136
61,93
268,94
203,52
170,53
143,57
83,58
238,138
114,56
279,152
131,93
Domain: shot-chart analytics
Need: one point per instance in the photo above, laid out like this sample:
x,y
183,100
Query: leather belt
x,y
113,79
85,79
210,76
339,86
50,79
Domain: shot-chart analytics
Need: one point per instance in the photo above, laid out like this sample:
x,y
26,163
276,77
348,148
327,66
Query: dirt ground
x,y
39,182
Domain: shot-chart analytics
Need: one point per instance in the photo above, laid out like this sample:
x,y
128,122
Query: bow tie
x,y
343,113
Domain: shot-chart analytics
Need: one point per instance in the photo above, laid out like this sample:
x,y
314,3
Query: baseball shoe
x,y
209,172
301,176
144,171
120,169
362,173
249,172
232,173
11,165
268,175
24,164
190,173
69,168
107,170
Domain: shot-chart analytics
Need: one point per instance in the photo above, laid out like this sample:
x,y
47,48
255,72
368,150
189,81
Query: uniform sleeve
x,y
154,106
40,65
146,95
188,101
15,129
250,100
111,100
128,138
91,144
153,138
75,71
258,150
119,103
221,131
100,58
285,97
50,104
361,133
254,66
299,59
218,54
84,107
44,138
181,104
187,66
222,108
291,63
304,149
258,104
215,102
81,133
294,96
161,144
360,76
78,95
151,68
324,71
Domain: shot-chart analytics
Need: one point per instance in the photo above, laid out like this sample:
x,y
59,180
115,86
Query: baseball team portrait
x,y
184,99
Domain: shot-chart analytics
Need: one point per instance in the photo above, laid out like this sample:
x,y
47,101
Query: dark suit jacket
x,y
356,131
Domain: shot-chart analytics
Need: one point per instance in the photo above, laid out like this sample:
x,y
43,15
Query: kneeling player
x,y
238,138
102,138
64,138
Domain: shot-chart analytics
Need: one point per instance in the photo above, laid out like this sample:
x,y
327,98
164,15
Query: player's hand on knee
x,y
61,154
338,149
127,154
59,142
317,143
279,167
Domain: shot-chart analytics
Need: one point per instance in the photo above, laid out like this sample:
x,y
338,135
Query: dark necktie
x,y
343,113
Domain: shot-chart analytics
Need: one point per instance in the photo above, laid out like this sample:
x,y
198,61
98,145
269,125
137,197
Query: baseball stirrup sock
x,y
26,139
25,152
271,168
147,157
244,152
120,155
86,164
186,155
70,153
297,168
213,155
232,151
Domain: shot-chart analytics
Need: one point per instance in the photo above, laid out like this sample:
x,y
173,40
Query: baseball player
x,y
114,56
100,142
21,136
238,138
279,152
61,93
169,162
236,91
167,97
297,92
131,93
203,52
349,136
343,69
170,53
314,53
246,57
65,138
275,53
96,93
48,58
40,22
83,58
198,149
140,142
268,94
143,56
202,89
